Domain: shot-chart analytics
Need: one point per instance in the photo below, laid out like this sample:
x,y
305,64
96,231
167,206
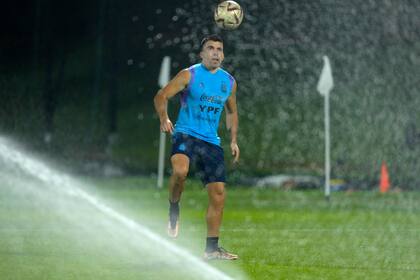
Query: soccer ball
x,y
228,15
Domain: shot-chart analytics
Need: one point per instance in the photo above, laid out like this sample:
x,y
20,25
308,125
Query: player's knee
x,y
180,173
218,196
218,204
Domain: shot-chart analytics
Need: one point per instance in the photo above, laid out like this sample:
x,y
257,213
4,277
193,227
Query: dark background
x,y
70,67
78,79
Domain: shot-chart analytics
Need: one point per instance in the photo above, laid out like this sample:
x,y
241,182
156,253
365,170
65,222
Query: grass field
x,y
45,234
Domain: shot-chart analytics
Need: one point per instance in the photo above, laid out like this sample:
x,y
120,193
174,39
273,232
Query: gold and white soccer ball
x,y
228,15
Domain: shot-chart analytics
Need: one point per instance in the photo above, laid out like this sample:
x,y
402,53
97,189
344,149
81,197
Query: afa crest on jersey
x,y
223,87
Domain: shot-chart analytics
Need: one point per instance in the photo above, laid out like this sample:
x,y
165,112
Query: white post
x,y
327,145
325,85
163,81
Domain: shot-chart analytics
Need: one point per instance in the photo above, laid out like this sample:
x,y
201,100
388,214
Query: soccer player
x,y
206,89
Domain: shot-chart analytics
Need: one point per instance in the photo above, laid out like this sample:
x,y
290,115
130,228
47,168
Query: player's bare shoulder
x,y
177,84
183,77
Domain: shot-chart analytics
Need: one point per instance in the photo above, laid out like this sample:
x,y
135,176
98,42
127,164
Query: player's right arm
x,y
177,84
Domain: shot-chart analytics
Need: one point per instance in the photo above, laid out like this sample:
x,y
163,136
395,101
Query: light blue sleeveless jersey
x,y
202,103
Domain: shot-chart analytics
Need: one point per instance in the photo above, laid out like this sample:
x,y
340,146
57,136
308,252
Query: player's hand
x,y
235,151
166,126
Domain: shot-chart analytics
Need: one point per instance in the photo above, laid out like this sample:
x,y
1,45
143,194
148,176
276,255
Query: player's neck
x,y
210,69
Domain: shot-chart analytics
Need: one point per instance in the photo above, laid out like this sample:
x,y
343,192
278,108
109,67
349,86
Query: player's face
x,y
212,54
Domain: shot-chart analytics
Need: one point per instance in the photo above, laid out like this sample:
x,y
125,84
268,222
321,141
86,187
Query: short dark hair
x,y
212,37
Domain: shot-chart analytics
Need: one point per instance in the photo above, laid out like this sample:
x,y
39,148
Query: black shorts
x,y
208,158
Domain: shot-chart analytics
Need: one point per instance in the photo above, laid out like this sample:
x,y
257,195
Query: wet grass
x,y
278,235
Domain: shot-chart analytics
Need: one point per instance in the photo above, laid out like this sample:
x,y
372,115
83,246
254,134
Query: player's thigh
x,y
212,164
180,164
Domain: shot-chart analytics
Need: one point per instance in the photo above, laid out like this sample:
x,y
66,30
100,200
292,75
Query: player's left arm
x,y
232,122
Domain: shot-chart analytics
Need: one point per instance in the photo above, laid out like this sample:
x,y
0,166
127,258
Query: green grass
x,y
278,235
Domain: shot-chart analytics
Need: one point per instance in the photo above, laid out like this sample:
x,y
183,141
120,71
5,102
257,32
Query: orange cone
x,y
384,181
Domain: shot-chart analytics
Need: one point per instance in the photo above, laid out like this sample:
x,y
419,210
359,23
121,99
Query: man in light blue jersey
x,y
206,89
